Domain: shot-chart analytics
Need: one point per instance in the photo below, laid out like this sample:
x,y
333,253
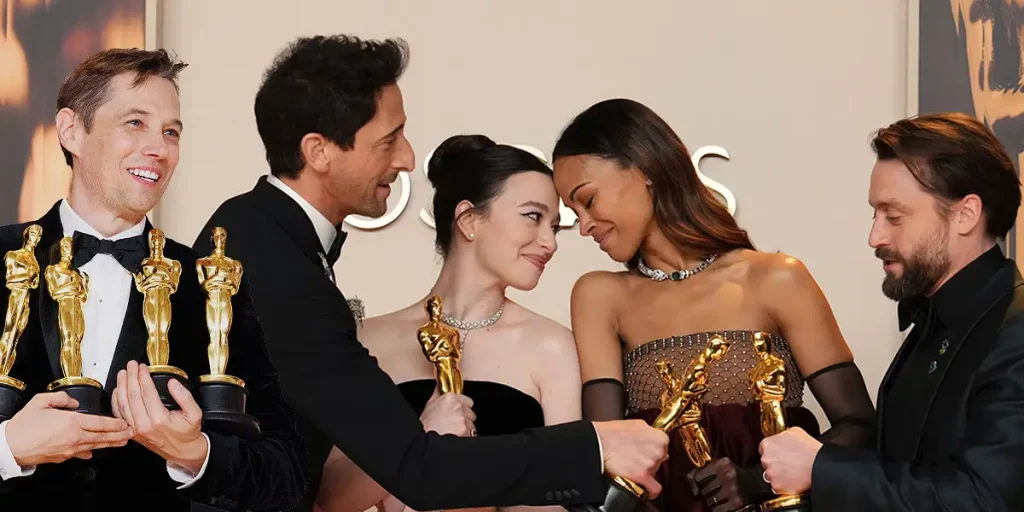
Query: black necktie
x,y
129,252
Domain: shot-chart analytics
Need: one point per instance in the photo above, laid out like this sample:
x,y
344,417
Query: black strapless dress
x,y
499,408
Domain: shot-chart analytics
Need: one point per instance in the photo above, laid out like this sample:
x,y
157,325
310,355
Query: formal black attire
x,y
344,399
950,407
268,474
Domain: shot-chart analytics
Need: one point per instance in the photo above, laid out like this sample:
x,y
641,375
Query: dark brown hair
x,y
952,155
630,134
88,86
323,84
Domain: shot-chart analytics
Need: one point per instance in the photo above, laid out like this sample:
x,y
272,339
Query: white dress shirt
x,y
327,232
110,287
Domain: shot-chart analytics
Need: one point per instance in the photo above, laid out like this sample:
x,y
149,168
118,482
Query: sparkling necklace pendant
x,y
679,275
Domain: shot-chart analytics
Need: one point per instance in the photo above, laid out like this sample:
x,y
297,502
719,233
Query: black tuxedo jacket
x,y
267,474
967,451
345,399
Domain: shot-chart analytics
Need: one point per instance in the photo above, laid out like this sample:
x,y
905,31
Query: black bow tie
x,y
917,310
129,252
335,252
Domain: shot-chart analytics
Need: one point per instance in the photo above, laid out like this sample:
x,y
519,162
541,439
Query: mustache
x,y
887,254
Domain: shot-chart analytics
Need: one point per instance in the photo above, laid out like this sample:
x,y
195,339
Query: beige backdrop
x,y
792,90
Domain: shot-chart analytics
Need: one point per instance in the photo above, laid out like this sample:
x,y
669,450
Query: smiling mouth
x,y
143,174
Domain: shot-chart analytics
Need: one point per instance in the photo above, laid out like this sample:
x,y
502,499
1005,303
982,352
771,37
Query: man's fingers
x,y
84,455
189,408
59,400
463,399
651,484
136,406
121,391
94,423
150,396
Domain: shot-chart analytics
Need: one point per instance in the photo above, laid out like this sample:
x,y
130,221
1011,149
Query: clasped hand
x,y
450,413
173,435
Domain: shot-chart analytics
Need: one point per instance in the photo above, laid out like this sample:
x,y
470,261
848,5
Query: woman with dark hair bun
x,y
691,273
496,215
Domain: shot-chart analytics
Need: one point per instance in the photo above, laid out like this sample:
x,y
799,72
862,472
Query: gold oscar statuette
x,y
768,379
220,276
442,346
221,396
157,279
69,288
680,405
22,277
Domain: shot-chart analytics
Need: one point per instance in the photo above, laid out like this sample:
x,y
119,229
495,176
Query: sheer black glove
x,y
841,392
604,400
727,487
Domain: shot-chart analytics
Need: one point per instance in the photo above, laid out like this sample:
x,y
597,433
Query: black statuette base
x,y
223,406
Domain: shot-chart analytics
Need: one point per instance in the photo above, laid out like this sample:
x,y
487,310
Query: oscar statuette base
x,y
788,503
89,394
621,496
11,396
222,399
162,375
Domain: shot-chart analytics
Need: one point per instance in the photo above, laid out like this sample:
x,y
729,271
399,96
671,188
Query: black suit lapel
x,y
131,343
295,222
1001,284
883,388
48,253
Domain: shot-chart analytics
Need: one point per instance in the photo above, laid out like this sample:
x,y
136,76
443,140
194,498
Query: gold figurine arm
x,y
680,405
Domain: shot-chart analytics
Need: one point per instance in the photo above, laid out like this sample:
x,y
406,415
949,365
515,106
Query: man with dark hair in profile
x,y
951,406
332,121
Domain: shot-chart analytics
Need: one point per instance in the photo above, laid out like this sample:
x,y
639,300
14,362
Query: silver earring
x,y
649,183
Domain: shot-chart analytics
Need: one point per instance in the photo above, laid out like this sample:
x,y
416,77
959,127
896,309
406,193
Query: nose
x,y
405,157
879,234
547,240
586,224
155,146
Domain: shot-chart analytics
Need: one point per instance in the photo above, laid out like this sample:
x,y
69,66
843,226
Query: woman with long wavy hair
x,y
692,273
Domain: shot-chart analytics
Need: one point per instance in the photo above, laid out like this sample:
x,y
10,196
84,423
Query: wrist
x,y
192,455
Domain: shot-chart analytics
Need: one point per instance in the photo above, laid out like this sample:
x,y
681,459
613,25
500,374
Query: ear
x,y
70,131
967,214
467,222
314,148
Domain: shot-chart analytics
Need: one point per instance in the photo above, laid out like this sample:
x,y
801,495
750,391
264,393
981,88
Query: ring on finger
x,y
764,475
472,432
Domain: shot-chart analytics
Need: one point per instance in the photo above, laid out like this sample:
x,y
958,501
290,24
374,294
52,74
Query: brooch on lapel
x,y
934,365
355,305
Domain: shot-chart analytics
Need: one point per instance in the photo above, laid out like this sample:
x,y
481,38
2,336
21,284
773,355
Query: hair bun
x,y
448,158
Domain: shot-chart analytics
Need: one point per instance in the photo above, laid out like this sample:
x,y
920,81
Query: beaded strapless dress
x,y
731,414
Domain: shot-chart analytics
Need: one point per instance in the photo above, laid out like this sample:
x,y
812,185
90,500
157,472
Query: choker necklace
x,y
469,326
679,275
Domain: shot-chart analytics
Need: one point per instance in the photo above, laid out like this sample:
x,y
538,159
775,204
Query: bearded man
x,y
951,406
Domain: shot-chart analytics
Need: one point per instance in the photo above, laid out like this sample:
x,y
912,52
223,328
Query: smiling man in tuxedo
x,y
118,123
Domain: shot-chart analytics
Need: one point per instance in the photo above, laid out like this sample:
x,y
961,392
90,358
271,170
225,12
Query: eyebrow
x,y
140,112
392,133
572,195
887,204
536,204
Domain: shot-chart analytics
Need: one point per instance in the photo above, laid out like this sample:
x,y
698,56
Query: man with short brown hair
x,y
118,124
951,407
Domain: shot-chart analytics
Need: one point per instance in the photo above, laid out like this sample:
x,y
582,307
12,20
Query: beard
x,y
922,269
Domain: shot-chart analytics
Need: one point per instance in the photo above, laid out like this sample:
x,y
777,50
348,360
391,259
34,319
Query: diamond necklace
x,y
679,275
469,326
